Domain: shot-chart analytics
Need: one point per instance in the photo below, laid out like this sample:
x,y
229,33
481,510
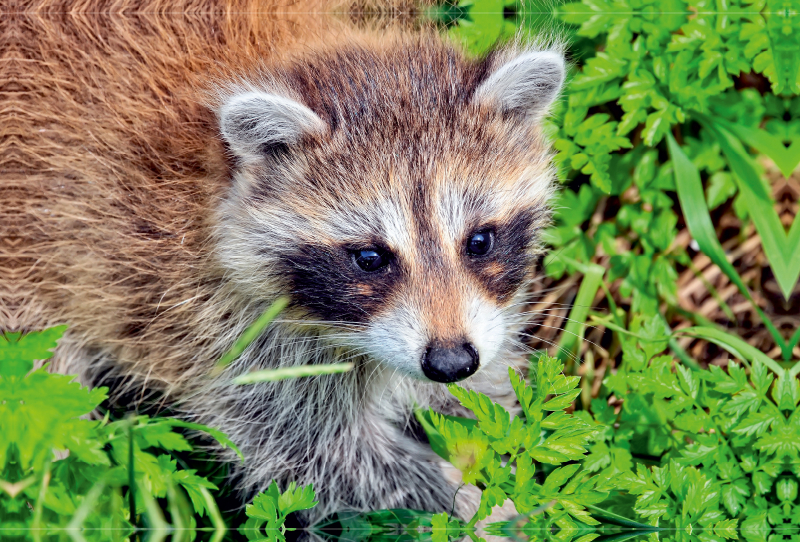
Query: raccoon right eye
x,y
371,259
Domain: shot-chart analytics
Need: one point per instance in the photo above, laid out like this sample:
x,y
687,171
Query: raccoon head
x,y
396,196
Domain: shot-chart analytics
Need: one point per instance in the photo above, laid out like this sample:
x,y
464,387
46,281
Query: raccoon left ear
x,y
253,122
527,84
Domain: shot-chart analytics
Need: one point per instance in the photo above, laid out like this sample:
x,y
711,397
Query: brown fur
x,y
112,164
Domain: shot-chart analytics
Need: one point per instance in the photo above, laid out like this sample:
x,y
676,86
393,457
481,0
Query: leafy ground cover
x,y
662,399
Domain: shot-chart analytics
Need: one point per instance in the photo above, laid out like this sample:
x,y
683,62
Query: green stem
x,y
131,477
39,508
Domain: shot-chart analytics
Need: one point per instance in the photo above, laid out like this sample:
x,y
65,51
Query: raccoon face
x,y
396,197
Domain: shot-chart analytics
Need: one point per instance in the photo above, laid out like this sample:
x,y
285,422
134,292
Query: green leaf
x,y
562,401
559,477
18,352
757,423
493,419
216,434
656,127
296,498
786,392
264,506
439,528
193,485
161,436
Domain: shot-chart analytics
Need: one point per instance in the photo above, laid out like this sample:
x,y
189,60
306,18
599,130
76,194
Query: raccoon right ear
x,y
253,122
526,84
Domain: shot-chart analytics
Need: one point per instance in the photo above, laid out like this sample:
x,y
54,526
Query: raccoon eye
x,y
480,243
371,259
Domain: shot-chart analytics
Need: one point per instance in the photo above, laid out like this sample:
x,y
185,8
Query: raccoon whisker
x,y
534,310
371,375
559,306
330,323
565,331
554,345
534,313
560,348
383,391
527,349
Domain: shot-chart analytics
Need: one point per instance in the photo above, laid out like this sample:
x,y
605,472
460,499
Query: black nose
x,y
449,363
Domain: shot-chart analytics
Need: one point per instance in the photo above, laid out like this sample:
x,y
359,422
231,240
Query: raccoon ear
x,y
254,122
527,84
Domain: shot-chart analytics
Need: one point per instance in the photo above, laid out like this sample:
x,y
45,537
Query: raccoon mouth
x,y
450,363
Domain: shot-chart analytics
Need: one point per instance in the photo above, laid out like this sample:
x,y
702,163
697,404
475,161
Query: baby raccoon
x,y
392,188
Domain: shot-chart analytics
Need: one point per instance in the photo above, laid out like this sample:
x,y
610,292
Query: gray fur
x,y
527,84
253,119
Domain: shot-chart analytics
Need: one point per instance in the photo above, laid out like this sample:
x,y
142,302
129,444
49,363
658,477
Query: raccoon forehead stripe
x,y
463,207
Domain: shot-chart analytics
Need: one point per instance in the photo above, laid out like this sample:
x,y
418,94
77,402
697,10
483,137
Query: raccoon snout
x,y
450,363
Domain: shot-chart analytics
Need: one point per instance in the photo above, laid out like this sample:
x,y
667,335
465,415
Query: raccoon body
x,y
167,186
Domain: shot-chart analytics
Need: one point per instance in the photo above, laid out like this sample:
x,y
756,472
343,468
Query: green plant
x,y
500,453
59,470
269,510
669,68
708,449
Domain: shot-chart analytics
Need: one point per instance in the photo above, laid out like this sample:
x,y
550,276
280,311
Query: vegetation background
x,y
663,393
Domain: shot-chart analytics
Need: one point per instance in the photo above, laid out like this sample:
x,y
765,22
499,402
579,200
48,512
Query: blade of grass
x,y
160,528
250,334
698,220
216,517
283,373
733,344
682,355
576,325
131,476
435,438
180,513
616,519
768,145
794,339
713,291
782,249
83,511
38,509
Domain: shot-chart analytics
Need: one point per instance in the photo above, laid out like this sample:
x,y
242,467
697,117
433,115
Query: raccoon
x,y
392,188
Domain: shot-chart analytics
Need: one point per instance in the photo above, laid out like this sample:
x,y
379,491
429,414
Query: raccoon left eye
x,y
480,243
371,259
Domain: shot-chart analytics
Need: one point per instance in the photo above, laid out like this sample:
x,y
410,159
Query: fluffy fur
x,y
167,180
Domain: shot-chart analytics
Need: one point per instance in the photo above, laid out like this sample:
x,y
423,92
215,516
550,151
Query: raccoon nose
x,y
449,363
